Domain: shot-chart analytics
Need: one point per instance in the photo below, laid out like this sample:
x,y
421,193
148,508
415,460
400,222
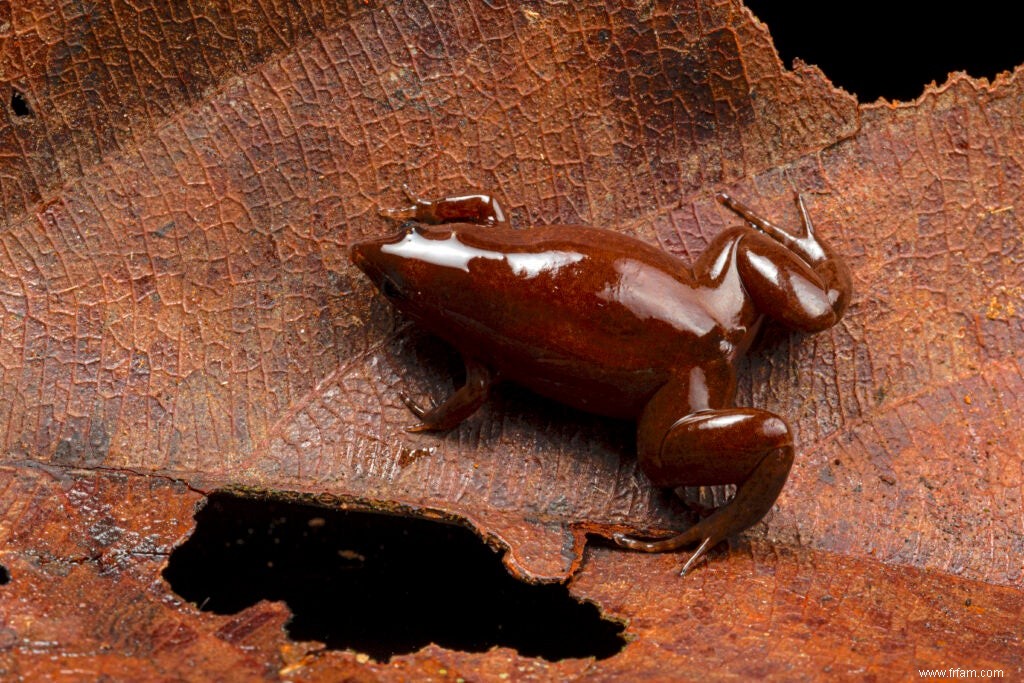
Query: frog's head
x,y
385,270
419,266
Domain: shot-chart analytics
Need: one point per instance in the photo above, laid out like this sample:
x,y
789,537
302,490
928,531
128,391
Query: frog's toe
x,y
410,195
416,409
657,545
633,543
672,543
429,421
701,550
404,213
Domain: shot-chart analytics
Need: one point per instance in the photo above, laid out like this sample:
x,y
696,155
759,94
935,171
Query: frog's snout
x,y
369,258
366,257
357,254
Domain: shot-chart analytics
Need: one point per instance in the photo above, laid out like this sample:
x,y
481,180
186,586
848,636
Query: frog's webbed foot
x,y
456,407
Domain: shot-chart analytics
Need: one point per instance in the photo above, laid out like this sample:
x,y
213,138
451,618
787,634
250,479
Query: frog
x,y
610,324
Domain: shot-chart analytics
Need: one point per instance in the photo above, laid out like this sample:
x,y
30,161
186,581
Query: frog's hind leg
x,y
459,405
744,446
482,209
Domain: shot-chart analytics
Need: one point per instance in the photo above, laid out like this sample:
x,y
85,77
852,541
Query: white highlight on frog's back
x,y
532,265
651,294
451,253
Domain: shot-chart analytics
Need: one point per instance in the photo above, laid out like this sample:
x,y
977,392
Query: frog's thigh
x,y
783,286
706,447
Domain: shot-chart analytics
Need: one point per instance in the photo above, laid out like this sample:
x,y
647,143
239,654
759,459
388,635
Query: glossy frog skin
x,y
612,325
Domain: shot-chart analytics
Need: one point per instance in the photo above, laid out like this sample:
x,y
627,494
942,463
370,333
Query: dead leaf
x,y
179,315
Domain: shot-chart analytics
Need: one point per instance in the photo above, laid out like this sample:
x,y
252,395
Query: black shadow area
x,y
377,584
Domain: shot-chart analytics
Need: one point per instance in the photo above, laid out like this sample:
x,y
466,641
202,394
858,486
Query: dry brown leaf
x,y
177,306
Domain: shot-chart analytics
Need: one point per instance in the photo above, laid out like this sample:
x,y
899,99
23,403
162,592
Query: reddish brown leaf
x,y
177,305
88,600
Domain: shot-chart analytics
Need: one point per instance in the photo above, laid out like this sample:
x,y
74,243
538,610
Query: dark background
x,y
893,49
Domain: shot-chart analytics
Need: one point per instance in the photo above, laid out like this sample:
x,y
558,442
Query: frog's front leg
x,y
459,405
482,209
744,446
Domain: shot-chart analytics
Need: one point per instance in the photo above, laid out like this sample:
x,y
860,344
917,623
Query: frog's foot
x,y
765,225
481,209
414,407
688,537
407,213
753,499
458,406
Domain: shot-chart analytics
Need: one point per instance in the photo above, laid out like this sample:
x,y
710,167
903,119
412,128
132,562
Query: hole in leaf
x,y
878,48
19,105
378,584
5,576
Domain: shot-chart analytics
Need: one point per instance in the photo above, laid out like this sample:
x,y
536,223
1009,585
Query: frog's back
x,y
589,317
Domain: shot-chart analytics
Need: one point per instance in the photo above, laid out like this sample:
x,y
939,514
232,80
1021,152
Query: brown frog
x,y
612,325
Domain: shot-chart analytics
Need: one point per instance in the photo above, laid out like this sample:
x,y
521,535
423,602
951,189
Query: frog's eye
x,y
390,289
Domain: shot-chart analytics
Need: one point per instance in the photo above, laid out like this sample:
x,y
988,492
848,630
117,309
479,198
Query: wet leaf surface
x,y
178,315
